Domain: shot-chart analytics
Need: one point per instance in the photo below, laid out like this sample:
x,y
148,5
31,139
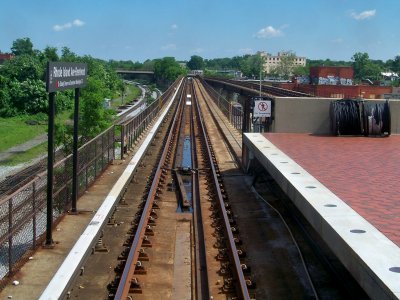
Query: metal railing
x,y
233,111
131,129
23,213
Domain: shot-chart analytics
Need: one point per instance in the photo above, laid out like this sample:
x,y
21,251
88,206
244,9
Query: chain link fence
x,y
233,111
131,130
23,213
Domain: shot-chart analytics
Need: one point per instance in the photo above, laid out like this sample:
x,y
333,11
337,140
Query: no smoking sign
x,y
262,108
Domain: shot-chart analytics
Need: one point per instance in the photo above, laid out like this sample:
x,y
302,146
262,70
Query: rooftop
x,y
363,171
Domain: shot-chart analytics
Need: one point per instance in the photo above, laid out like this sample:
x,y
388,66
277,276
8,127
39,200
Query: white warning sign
x,y
262,108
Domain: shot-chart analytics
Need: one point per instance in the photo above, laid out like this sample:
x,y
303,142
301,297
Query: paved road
x,y
4,156
23,147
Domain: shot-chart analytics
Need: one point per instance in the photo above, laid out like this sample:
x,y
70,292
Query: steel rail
x,y
130,266
267,90
244,293
166,94
202,286
204,92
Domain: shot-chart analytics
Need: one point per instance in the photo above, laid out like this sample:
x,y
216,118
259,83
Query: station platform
x,y
348,189
35,275
50,272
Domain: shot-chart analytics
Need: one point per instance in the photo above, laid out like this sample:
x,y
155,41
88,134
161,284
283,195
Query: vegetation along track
x,y
189,227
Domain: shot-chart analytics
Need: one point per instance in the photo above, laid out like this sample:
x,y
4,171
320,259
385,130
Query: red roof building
x,y
5,56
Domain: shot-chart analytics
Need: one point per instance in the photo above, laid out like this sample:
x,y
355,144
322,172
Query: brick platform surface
x,y
362,171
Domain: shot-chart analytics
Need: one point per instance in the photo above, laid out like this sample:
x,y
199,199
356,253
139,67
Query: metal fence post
x,y
95,158
102,152
10,242
122,141
34,214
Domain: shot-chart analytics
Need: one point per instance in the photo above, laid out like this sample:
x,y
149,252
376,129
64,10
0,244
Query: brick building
x,y
346,91
5,56
336,82
332,75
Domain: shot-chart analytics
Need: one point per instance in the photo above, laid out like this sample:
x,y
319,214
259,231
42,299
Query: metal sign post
x,y
75,153
50,160
262,109
61,76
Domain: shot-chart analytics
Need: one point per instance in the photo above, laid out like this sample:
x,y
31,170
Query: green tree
x,y
67,54
301,70
28,96
251,66
63,137
394,64
166,70
364,68
196,63
286,65
94,117
6,108
23,67
148,65
22,46
50,53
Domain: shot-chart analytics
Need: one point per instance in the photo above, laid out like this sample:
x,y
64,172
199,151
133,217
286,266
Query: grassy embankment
x,y
16,131
132,92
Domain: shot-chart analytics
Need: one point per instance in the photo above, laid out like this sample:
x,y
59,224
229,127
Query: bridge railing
x,y
23,213
131,129
232,111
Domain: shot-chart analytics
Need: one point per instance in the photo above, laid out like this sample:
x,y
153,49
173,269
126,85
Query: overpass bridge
x,y
132,74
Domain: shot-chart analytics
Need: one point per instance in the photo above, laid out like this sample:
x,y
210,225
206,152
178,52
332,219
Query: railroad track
x,y
217,270
13,182
187,226
267,89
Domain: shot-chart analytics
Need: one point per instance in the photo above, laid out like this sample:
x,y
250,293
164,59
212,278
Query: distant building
x,y
233,73
390,76
332,75
394,95
196,72
272,61
5,56
337,82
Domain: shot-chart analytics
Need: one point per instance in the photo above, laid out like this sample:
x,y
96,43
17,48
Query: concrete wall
x,y
311,115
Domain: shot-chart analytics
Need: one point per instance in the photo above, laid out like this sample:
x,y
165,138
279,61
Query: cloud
x,y
269,32
74,23
174,26
169,47
363,15
78,23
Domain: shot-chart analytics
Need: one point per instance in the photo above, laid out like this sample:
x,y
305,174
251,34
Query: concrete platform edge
x,y
368,256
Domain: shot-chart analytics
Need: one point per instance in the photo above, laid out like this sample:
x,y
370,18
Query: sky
x,y
146,29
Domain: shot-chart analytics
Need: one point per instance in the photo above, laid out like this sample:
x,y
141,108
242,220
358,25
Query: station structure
x,y
346,187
